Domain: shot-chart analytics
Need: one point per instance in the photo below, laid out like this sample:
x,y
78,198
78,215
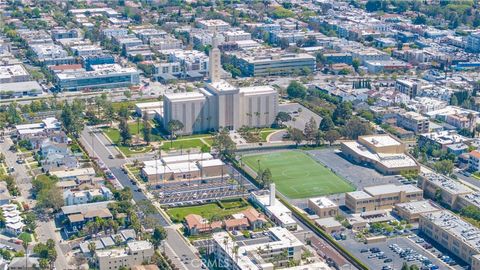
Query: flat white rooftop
x,y
323,202
418,206
192,96
390,188
184,158
381,140
388,160
256,90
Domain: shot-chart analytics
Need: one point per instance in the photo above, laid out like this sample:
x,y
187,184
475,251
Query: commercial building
x,y
386,66
381,197
183,167
442,188
190,60
323,207
13,74
414,122
338,58
236,35
385,153
266,64
411,211
456,235
220,104
102,76
135,253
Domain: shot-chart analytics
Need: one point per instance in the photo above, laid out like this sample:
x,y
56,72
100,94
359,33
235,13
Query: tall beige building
x,y
220,104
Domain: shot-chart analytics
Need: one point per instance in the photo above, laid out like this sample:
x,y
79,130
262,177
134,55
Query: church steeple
x,y
214,65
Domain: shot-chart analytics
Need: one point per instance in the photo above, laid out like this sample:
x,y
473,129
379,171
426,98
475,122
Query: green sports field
x,y
297,175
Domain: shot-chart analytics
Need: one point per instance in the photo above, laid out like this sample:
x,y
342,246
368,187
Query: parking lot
x,y
359,176
396,251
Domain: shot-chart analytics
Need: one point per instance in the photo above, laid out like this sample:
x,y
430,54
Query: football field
x,y
297,175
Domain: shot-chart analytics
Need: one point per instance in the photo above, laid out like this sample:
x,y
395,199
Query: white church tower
x,y
214,65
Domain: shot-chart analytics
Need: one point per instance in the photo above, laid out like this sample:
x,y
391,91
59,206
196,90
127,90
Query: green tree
x,y
146,130
125,134
282,117
342,113
223,144
327,123
332,135
296,90
311,130
159,234
173,126
356,127
444,166
296,135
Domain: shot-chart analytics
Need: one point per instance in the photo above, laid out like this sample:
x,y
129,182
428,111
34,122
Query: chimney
x,y
272,194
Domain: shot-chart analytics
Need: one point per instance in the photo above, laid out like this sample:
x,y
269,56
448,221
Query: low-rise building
x,y
474,160
381,197
262,255
214,25
442,188
102,76
73,197
411,211
323,207
456,235
329,224
441,139
135,253
266,64
274,209
385,153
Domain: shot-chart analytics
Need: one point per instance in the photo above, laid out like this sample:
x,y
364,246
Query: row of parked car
x,y
411,255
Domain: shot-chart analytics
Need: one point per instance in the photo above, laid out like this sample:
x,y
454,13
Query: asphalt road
x,y
175,243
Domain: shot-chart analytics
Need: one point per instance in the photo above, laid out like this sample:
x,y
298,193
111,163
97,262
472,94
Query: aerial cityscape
x,y
239,134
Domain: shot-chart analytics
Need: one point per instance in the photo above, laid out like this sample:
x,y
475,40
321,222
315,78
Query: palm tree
x,y
92,247
25,247
235,252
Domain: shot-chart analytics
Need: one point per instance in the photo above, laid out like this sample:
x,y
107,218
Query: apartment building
x,y
449,230
323,207
474,160
441,139
414,122
135,253
407,87
381,197
214,25
442,188
258,256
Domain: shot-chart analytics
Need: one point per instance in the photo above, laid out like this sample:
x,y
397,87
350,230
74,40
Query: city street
x,y
103,149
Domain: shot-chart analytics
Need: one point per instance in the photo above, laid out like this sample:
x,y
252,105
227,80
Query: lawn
x,y
297,175
207,211
182,144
